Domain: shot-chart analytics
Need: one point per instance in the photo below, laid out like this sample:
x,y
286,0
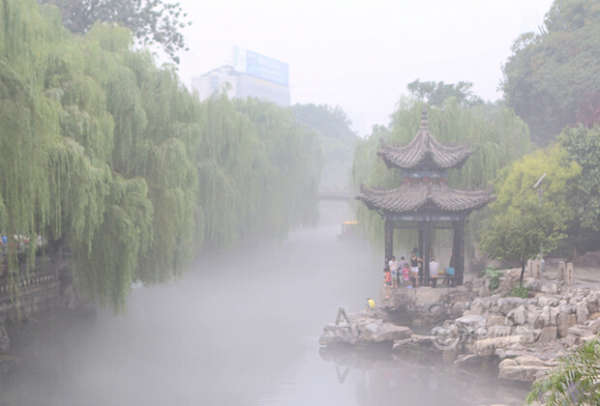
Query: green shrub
x,y
519,291
494,277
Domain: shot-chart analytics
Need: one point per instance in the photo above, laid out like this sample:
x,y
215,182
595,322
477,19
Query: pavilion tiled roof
x,y
424,152
412,197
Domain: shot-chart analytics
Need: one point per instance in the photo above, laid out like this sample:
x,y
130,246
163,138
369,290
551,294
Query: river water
x,y
239,329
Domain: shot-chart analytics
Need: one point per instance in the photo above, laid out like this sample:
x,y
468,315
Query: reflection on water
x,y
240,329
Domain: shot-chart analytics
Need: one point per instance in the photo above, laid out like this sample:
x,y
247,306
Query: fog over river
x,y
238,329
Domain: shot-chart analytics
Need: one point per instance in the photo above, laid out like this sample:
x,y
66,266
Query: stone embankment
x,y
472,324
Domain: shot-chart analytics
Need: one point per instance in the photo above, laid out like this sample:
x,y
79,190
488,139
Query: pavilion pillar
x,y
427,231
388,227
458,250
421,235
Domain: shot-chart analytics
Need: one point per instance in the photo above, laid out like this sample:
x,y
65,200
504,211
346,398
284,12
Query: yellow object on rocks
x,y
371,303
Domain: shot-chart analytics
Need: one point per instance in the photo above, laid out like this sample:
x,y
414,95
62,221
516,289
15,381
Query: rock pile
x,y
362,329
525,335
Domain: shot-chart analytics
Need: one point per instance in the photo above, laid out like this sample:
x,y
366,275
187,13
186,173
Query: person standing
x,y
414,268
387,279
433,271
393,265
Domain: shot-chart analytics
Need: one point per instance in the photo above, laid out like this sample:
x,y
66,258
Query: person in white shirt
x,y
393,264
433,271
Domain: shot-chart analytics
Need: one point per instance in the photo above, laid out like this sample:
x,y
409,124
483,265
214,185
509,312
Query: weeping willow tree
x,y
497,135
107,154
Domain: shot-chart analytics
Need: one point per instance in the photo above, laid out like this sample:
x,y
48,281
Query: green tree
x,y
520,234
105,153
151,21
583,146
551,79
435,93
576,381
526,222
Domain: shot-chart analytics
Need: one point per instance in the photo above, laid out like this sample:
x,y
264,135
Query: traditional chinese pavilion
x,y
424,201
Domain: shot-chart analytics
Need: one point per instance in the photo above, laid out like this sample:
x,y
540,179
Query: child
x,y
406,274
388,277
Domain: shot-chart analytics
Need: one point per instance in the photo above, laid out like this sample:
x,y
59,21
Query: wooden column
x,y
458,250
426,252
421,232
389,241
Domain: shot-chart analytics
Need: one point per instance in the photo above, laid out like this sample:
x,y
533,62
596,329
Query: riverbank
x,y
469,326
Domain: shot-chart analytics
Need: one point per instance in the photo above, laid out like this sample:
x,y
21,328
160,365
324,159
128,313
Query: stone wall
x,y
39,290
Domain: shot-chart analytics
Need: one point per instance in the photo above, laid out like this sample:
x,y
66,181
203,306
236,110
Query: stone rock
x,y
533,315
524,368
582,312
547,301
382,332
478,307
543,318
594,326
564,321
484,291
551,288
528,336
422,340
506,304
488,346
517,316
499,331
458,308
402,344
333,335
548,334
467,360
554,311
572,340
495,320
532,284
472,321
4,340
363,329
579,331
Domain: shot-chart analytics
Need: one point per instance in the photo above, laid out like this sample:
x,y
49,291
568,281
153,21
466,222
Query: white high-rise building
x,y
249,75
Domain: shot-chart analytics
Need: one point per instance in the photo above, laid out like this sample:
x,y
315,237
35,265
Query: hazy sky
x,y
361,54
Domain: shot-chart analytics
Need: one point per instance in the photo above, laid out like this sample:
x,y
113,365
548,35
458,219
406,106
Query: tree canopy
x,y
552,78
151,21
105,153
527,221
435,93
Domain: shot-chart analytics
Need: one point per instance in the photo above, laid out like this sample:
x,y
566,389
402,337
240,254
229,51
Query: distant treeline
x,y
105,153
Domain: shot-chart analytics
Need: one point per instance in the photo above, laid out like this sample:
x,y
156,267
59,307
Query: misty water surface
x,y
240,329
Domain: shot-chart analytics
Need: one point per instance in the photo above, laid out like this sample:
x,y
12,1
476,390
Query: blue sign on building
x,y
267,68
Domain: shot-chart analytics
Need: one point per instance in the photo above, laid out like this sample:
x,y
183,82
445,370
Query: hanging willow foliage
x,y
107,153
493,130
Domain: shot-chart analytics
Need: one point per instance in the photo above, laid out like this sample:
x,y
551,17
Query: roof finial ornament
x,y
424,123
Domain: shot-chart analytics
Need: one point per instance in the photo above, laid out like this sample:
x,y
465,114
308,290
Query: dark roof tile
x,y
411,197
425,152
